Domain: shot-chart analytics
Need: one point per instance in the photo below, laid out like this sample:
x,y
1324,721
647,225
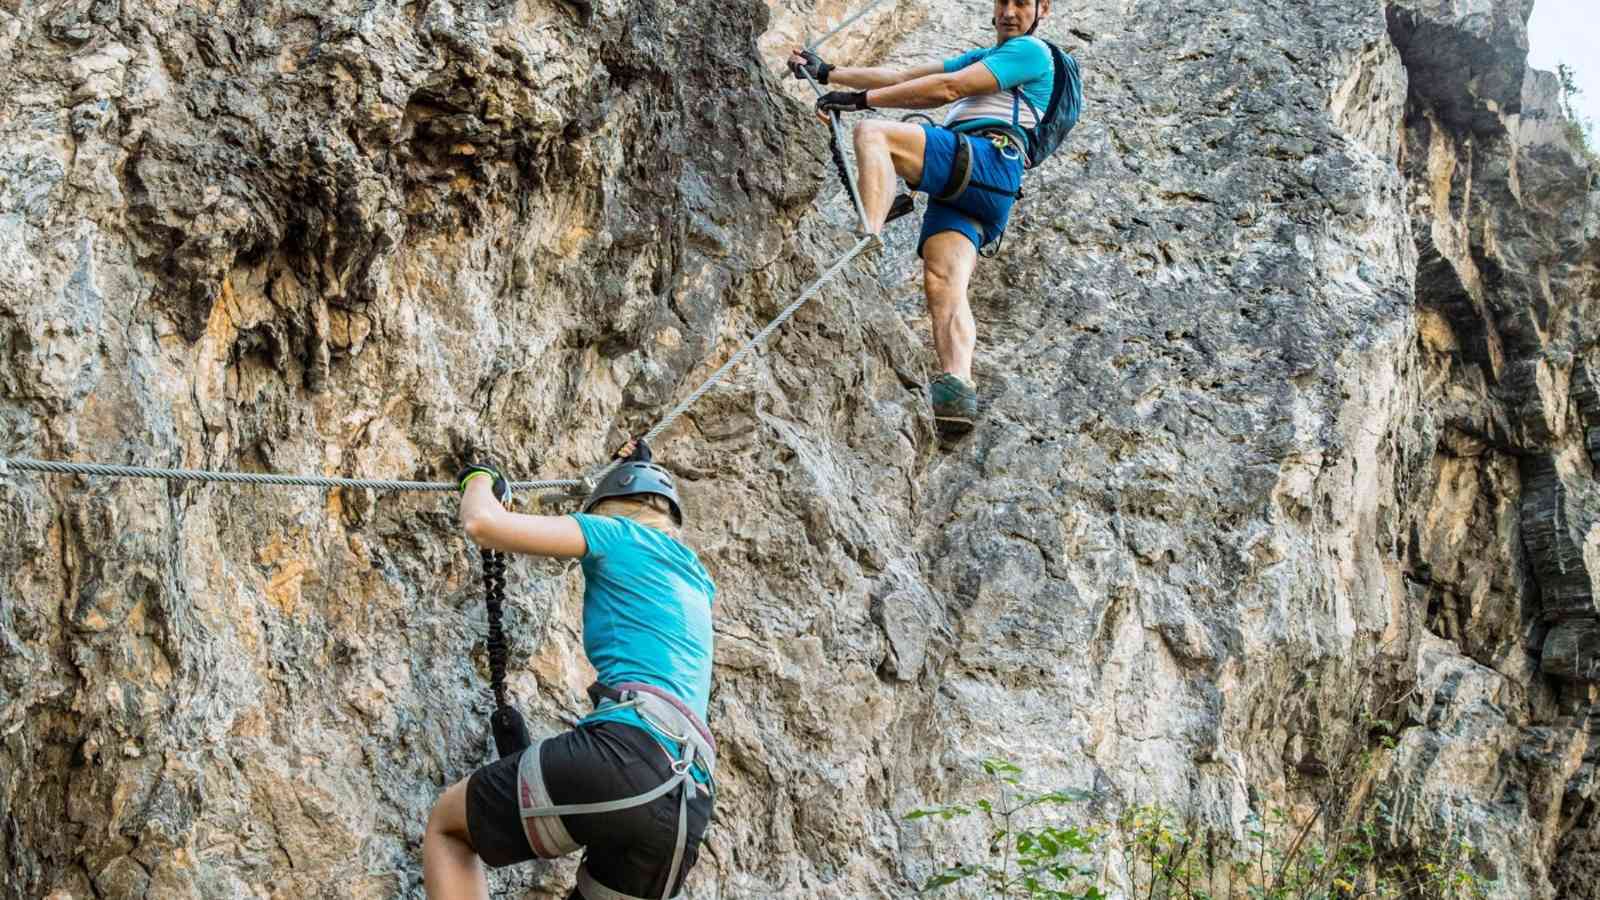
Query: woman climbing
x,y
631,783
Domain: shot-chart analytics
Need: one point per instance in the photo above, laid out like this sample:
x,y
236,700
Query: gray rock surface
x,y
1286,366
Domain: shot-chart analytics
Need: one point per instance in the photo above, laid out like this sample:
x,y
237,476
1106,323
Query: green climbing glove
x,y
501,487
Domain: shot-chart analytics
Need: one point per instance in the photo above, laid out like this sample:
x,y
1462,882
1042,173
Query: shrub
x,y
1037,859
1166,858
1580,131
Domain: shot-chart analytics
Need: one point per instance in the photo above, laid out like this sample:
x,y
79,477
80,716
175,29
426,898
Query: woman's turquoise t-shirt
x,y
646,615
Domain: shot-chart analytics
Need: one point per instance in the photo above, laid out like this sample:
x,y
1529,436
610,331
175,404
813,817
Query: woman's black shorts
x,y
629,850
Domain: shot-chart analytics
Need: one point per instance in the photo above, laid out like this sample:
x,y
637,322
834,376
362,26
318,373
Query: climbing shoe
x,y
955,405
902,205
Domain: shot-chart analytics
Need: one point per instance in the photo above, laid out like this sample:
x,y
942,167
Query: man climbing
x,y
1014,102
631,782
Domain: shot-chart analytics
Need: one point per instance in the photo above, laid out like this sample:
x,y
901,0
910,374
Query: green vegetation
x,y
1279,860
1041,860
1336,844
1031,854
1580,130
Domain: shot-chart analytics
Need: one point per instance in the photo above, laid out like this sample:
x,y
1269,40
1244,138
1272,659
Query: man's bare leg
x,y
450,868
948,259
884,150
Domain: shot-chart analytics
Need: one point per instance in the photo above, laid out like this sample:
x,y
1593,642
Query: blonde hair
x,y
646,509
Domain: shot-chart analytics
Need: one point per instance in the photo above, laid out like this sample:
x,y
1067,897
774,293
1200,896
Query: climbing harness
x,y
541,818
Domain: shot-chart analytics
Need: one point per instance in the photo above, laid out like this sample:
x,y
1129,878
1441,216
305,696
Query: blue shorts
x,y
980,213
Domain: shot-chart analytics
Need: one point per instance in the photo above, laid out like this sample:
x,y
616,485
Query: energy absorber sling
x,y
541,818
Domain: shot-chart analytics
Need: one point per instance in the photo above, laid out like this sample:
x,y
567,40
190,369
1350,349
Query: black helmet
x,y
637,478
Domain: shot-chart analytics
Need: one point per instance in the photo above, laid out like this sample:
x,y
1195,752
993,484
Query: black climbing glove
x,y
813,64
501,487
510,731
842,101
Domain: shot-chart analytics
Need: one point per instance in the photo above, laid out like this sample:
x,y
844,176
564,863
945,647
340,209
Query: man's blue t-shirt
x,y
1021,62
646,615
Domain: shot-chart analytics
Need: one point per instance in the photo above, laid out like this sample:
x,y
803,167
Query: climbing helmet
x,y
637,478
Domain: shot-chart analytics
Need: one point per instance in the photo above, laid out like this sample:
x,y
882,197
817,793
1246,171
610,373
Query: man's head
x,y
1014,18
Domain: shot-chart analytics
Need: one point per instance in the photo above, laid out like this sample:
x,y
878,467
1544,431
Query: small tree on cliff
x,y
1579,128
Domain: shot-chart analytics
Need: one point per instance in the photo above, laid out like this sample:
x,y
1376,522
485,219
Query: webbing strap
x,y
708,752
836,147
680,781
677,848
605,806
961,171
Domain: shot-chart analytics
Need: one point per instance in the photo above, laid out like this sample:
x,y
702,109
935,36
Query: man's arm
x,y
932,89
880,76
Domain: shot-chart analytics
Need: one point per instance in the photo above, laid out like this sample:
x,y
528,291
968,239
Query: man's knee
x,y
870,134
942,290
940,272
944,270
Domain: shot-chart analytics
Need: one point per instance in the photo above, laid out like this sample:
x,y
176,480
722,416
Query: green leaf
x,y
998,766
949,876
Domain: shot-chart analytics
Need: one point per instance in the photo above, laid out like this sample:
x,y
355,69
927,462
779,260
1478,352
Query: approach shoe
x,y
955,404
903,205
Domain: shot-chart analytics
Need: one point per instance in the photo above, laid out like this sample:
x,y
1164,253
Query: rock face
x,y
1289,367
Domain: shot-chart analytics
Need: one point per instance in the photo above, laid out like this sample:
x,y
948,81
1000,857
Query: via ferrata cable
x,y
572,485
845,24
836,145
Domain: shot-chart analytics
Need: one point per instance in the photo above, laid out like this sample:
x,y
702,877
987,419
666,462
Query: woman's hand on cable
x,y
633,450
474,471
803,62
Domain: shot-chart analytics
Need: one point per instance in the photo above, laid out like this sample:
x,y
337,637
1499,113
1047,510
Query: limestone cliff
x,y
1291,373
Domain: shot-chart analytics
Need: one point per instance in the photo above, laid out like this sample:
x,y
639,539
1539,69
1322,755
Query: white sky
x,y
1569,31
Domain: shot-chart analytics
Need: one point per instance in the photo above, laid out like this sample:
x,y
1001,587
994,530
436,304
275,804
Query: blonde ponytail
x,y
646,509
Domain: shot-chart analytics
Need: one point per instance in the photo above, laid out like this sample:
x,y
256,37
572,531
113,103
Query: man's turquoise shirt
x,y
1021,62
